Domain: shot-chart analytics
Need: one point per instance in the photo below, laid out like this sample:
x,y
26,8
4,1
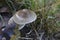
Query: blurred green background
x,y
48,12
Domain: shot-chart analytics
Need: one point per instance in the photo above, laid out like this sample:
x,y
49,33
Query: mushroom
x,y
4,9
23,17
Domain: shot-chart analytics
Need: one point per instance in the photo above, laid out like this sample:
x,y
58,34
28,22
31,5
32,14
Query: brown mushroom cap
x,y
24,16
23,13
4,9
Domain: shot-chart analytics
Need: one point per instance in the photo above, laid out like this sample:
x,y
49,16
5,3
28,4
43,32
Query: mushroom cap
x,y
4,9
24,16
